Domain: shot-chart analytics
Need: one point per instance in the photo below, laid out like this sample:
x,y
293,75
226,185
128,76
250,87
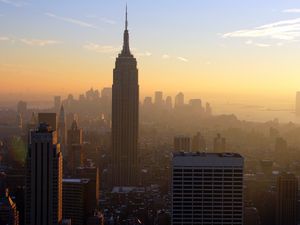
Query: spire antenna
x,y
125,50
126,21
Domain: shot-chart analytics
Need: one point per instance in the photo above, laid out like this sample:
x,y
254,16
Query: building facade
x,y
75,153
8,209
297,103
43,178
207,188
125,114
198,143
286,199
91,173
182,143
48,118
75,200
219,144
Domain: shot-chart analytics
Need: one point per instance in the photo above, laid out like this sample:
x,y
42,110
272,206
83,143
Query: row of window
x,y
210,191
208,205
207,174
208,198
200,208
214,216
233,170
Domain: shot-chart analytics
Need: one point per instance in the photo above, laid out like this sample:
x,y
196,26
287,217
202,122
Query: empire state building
x,y
125,114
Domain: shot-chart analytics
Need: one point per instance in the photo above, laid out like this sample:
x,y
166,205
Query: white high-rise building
x,y
207,189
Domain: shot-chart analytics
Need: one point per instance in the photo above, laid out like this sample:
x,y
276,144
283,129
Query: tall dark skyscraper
x,y
43,178
286,199
62,132
125,114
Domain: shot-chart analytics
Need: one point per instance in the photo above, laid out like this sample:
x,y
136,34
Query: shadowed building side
x,y
43,178
125,113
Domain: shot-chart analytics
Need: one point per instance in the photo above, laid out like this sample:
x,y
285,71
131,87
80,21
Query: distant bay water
x,y
259,113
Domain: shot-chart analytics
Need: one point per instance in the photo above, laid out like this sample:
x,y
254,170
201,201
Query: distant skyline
x,y
226,49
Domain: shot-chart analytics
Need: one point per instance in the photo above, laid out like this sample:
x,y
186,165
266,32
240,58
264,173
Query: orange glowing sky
x,y
210,49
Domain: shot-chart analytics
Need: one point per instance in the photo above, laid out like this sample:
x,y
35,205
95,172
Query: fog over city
x,y
149,113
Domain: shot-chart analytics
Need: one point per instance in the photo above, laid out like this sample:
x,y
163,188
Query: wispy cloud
x,y
101,48
182,59
39,42
5,38
141,54
165,56
261,45
31,42
13,3
102,19
71,20
285,30
109,21
113,50
296,10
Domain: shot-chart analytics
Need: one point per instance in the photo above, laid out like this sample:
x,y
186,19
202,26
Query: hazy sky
x,y
245,49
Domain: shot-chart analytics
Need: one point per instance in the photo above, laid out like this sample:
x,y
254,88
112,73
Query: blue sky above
x,y
163,23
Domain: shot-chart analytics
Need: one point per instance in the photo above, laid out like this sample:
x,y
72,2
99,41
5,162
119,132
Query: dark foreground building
x,y
125,108
43,178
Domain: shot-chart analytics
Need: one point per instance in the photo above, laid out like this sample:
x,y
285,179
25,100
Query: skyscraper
x,y
179,100
169,104
91,173
182,143
43,178
75,149
207,189
196,105
8,210
219,144
22,107
106,98
298,103
75,200
208,109
48,118
158,98
198,143
32,124
57,103
280,145
62,131
286,199
125,114
147,101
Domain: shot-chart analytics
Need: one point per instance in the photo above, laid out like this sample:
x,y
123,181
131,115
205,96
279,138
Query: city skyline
x,y
74,46
196,122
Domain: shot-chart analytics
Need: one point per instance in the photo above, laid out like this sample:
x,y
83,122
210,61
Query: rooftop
x,y
75,180
202,159
208,155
